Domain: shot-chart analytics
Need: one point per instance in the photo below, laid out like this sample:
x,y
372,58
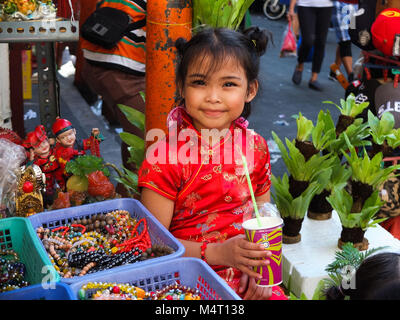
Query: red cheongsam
x,y
210,191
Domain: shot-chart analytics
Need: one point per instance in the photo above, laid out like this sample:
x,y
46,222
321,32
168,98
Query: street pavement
x,y
272,110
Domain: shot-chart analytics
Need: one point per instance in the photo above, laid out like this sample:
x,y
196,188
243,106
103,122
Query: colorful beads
x,y
12,271
114,291
99,242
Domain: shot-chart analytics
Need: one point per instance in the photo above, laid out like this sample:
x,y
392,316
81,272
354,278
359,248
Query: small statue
x,y
67,148
43,155
28,198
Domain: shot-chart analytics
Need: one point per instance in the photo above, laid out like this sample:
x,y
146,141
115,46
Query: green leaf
x,y
83,165
134,116
304,128
132,140
381,129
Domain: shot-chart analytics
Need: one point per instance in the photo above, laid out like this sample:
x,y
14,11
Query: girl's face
x,y
215,99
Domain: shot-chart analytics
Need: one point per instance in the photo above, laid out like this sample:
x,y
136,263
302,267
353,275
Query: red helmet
x,y
35,138
60,126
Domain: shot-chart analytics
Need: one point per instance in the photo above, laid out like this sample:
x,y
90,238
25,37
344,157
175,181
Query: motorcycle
x,y
275,9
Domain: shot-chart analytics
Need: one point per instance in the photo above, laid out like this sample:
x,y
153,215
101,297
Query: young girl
x,y
194,181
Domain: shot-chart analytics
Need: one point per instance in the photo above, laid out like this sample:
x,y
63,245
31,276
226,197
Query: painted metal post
x,y
167,20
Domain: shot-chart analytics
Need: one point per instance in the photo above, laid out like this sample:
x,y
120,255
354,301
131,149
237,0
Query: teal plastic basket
x,y
18,234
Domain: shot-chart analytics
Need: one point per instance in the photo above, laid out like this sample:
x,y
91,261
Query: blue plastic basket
x,y
60,291
158,233
18,235
190,272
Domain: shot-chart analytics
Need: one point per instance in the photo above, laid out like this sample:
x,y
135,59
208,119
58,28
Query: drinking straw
x,y
246,170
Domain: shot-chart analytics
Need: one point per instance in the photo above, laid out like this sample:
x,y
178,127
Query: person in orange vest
x,y
118,74
43,155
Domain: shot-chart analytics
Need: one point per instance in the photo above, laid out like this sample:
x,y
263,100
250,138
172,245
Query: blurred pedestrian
x,y
314,19
341,15
118,74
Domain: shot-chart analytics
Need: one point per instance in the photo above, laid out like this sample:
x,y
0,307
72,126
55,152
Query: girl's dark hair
x,y
219,43
373,276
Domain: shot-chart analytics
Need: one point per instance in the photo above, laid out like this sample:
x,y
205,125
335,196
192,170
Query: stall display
x,y
22,10
103,237
12,271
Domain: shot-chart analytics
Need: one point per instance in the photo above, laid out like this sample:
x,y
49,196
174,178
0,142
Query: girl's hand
x,y
242,254
253,292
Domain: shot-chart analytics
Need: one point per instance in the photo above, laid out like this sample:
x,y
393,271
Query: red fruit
x,y
27,187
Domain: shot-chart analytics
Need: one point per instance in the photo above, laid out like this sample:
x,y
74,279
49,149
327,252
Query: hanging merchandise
x,y
360,33
385,32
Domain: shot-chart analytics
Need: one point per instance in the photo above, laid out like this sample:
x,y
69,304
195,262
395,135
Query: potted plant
x,y
320,208
355,223
349,110
384,137
302,172
292,210
367,175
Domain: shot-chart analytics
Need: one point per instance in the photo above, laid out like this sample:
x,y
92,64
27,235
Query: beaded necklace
x,y
12,271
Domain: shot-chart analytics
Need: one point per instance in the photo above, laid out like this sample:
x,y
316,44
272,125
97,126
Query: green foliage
x,y
357,133
136,147
324,132
348,259
300,169
83,165
367,170
342,202
394,141
339,177
287,206
129,179
304,127
219,13
381,129
349,107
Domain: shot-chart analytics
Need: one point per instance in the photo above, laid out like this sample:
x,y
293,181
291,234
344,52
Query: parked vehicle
x,y
275,9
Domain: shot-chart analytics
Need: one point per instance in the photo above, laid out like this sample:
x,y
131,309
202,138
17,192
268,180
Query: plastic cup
x,y
270,235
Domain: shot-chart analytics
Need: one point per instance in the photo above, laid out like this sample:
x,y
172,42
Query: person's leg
x,y
322,27
306,19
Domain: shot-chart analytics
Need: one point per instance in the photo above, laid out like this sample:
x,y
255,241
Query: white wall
x,y
5,108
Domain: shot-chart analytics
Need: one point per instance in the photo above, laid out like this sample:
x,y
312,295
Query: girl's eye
x,y
198,82
230,84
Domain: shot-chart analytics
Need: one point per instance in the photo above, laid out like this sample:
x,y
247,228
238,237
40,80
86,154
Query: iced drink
x,y
270,235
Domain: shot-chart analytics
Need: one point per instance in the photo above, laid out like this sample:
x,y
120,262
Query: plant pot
x,y
296,187
355,236
291,230
342,124
320,208
306,148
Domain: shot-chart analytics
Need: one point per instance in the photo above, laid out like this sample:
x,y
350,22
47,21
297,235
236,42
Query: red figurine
x,y
67,147
42,154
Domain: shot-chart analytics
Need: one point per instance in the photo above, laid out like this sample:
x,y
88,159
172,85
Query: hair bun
x,y
260,38
180,45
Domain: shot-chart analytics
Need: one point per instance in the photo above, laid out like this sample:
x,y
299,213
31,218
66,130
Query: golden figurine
x,y
28,198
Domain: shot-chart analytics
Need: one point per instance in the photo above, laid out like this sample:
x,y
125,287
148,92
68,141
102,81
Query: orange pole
x,y
167,20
